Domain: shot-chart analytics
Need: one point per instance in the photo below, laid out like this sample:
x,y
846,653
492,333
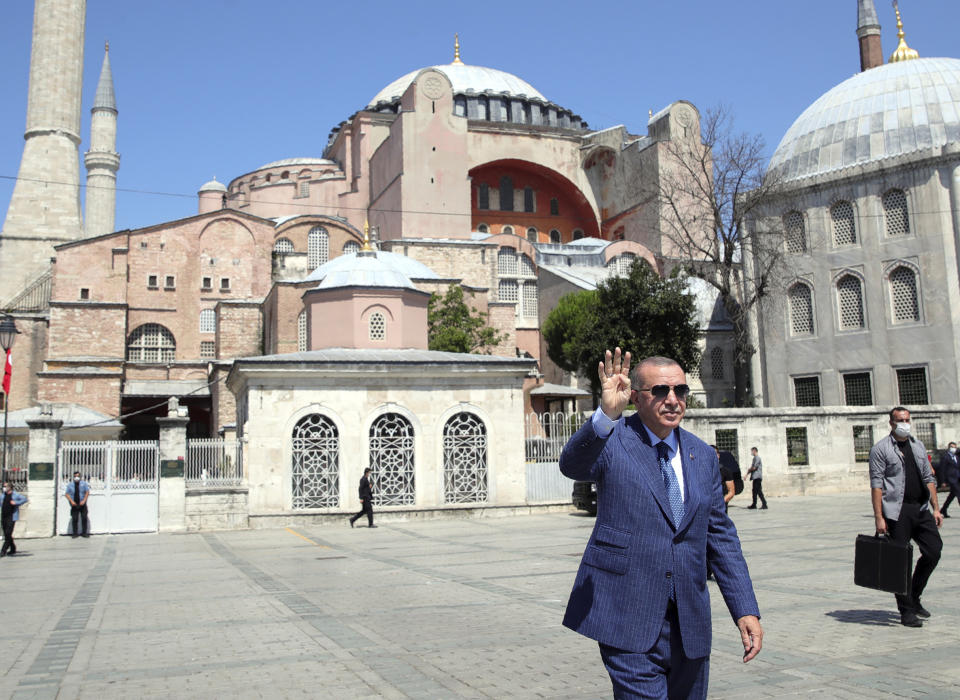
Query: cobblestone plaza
x,y
441,609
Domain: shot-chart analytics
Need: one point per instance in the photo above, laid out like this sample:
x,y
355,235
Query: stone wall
x,y
217,509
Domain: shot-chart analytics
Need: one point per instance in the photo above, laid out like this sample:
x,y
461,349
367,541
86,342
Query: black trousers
x,y
79,512
758,492
368,509
954,493
8,543
919,526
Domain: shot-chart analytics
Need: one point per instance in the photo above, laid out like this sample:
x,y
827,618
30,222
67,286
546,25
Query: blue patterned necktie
x,y
670,481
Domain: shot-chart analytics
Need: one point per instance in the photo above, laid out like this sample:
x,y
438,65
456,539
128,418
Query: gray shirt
x,y
757,466
886,472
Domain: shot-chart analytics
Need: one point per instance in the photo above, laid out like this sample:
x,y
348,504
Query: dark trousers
x,y
8,543
919,526
79,513
662,672
758,492
954,493
368,509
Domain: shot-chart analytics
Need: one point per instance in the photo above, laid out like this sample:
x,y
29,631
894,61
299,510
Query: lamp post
x,y
8,333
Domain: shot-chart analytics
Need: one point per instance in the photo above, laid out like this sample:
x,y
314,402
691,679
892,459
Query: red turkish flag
x,y
8,372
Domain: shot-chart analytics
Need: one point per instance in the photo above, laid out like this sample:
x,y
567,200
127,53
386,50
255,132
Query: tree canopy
x,y
642,312
452,326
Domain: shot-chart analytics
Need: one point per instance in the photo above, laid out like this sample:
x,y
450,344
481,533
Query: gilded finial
x,y
902,52
456,49
366,236
650,115
106,47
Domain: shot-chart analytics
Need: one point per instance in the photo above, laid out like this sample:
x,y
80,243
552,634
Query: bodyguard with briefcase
x,y
904,493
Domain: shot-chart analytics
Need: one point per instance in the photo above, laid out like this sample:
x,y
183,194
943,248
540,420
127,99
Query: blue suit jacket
x,y
634,553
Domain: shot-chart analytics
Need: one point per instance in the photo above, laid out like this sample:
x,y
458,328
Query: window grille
x,y
525,266
507,290
283,245
316,463
151,342
305,188
801,310
716,363
464,459
797,454
795,233
351,247
483,197
507,261
862,442
903,295
895,213
694,371
302,331
912,386
844,229
926,433
532,234
554,206
391,460
208,348
857,389
506,193
530,299
623,263
850,300
208,321
528,199
726,439
378,326
806,391
318,247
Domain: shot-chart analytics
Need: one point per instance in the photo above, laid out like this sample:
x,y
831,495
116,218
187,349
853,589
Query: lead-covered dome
x,y
371,269
885,112
464,79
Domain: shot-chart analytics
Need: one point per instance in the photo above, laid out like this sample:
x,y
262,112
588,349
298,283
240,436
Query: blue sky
x,y
217,88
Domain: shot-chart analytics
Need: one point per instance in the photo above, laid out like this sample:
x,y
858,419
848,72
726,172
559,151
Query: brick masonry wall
x,y
239,330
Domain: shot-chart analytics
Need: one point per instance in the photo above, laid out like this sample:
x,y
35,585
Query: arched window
x,y
850,302
302,331
316,463
377,326
554,236
151,342
532,234
716,363
464,459
318,247
801,309
622,264
525,266
391,460
844,228
507,261
895,213
208,321
283,245
507,230
577,234
351,247
506,193
483,228
904,298
795,232
483,108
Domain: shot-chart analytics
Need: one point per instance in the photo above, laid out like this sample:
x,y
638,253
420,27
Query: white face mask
x,y
902,430
76,478
953,450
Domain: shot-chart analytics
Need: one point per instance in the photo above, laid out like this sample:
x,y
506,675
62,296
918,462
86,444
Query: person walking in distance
x,y
903,491
366,498
77,493
755,472
9,514
950,467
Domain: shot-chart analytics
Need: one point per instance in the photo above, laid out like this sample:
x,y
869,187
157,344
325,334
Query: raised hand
x,y
614,373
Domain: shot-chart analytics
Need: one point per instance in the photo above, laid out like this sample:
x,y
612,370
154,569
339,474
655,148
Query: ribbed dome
x,y
381,269
463,78
884,112
213,186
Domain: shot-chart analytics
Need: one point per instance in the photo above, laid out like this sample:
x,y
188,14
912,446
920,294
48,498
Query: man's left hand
x,y
751,634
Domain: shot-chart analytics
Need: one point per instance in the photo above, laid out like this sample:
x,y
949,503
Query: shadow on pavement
x,y
883,618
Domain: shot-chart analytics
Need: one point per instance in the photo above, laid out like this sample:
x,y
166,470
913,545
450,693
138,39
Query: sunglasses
x,y
662,391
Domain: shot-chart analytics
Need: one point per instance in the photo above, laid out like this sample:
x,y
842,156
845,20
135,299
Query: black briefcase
x,y
883,564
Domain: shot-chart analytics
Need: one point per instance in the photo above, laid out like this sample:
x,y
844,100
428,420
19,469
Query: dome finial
x,y
366,236
456,50
902,52
106,47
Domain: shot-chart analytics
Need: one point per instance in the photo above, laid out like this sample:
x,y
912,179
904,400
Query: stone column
x,y
39,517
173,449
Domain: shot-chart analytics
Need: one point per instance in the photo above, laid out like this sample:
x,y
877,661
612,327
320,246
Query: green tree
x,y
452,326
642,312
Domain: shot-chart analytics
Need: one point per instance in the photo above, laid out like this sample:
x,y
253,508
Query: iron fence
x,y
546,433
213,462
17,468
119,466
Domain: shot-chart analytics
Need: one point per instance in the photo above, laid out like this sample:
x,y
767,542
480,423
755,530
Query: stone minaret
x,y
45,206
868,32
102,160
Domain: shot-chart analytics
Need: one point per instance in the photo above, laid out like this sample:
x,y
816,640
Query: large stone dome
x,y
464,78
888,111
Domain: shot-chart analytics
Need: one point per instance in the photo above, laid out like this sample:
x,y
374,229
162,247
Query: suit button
x,y
669,574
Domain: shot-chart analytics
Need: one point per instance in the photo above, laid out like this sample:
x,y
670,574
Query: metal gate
x,y
124,486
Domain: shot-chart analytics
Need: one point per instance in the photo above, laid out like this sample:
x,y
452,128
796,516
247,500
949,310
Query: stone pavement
x,y
441,609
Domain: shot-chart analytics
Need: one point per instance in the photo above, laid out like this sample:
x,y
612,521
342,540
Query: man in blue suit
x,y
641,590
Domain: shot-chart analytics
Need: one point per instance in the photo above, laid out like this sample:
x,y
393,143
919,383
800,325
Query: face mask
x,y
902,430
953,450
76,478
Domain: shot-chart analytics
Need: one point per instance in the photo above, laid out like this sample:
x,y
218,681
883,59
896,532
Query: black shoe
x,y
73,537
371,525
944,513
908,618
351,523
919,610
763,507
86,535
753,507
3,554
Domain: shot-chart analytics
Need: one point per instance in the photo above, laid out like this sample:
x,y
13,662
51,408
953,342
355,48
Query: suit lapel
x,y
634,440
692,494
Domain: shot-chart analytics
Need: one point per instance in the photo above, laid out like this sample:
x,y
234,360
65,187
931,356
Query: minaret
x,y
45,206
868,32
102,160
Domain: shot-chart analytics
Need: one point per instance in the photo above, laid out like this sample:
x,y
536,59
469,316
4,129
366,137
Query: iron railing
x,y
546,433
213,462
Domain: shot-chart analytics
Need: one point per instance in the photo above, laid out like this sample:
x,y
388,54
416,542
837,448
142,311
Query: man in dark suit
x,y
950,468
641,590
366,498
